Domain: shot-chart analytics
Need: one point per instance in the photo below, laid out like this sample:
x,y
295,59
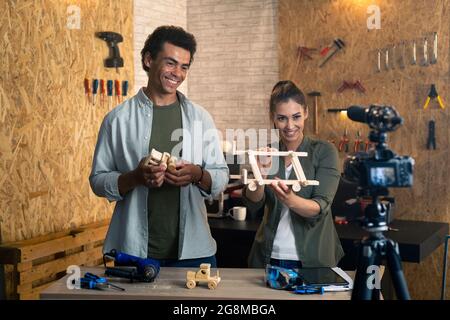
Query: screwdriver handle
x,y
124,88
117,87
109,87
87,88
95,86
102,86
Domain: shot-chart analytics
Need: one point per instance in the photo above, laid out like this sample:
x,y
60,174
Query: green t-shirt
x,y
164,202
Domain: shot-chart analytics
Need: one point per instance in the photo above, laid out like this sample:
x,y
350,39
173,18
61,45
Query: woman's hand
x,y
284,193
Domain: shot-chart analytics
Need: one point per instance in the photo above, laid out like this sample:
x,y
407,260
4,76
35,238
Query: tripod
x,y
372,251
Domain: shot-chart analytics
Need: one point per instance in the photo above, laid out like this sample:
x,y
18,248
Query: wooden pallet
x,y
32,265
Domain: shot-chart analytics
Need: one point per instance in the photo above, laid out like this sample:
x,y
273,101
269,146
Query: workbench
x,y
416,240
236,284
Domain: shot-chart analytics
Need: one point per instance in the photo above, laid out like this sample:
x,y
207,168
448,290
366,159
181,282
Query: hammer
x,y
315,94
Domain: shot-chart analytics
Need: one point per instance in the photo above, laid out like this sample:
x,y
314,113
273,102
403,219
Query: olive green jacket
x,y
316,239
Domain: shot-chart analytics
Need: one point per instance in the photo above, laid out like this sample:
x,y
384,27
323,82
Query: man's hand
x,y
184,174
150,175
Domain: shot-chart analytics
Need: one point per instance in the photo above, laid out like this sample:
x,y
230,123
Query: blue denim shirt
x,y
123,140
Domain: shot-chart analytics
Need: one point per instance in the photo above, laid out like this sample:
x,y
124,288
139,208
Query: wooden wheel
x,y
190,284
252,186
212,285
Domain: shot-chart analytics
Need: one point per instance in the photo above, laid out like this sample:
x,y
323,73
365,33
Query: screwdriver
x,y
92,281
102,92
94,90
87,89
117,87
109,86
124,88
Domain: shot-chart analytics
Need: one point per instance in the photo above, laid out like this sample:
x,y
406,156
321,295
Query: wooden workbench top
x,y
236,284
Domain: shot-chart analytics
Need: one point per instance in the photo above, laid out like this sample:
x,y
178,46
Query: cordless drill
x,y
112,39
144,269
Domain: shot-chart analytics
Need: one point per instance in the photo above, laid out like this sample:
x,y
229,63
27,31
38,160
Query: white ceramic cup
x,y
238,213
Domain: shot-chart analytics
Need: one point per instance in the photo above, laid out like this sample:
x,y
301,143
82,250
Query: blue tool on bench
x,y
92,281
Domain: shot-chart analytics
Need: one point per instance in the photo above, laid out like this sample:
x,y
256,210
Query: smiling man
x,y
160,214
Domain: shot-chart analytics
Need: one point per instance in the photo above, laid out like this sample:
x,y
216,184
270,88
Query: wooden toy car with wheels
x,y
202,276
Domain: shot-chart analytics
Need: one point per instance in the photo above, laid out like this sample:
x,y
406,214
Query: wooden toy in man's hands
x,y
258,179
157,158
202,276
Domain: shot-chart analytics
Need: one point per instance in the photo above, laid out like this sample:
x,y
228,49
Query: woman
x,y
297,229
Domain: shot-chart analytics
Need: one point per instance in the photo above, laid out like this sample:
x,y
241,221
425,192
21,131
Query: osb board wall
x,y
47,129
315,24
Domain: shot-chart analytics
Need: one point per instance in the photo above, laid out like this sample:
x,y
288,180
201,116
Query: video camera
x,y
380,168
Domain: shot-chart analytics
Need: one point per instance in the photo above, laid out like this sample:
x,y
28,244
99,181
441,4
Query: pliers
x,y
305,52
358,142
431,95
344,142
367,145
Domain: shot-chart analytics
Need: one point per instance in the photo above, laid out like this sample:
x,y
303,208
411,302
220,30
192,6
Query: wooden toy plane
x,y
253,183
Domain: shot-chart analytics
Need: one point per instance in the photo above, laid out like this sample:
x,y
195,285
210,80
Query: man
x,y
159,213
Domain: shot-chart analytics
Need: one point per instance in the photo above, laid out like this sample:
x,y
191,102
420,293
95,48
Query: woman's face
x,y
289,118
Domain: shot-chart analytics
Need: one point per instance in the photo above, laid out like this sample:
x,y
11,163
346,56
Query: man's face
x,y
168,71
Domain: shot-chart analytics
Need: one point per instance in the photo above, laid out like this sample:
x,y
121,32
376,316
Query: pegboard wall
x,y
48,129
314,24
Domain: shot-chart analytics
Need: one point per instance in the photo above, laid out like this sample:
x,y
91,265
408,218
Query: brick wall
x,y
148,15
236,64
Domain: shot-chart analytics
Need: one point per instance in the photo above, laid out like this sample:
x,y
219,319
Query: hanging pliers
x,y
344,142
433,94
358,142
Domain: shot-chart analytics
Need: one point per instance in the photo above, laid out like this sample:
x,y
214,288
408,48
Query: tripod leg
x,y
394,264
366,258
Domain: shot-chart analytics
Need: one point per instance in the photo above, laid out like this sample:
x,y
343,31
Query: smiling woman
x,y
297,228
288,111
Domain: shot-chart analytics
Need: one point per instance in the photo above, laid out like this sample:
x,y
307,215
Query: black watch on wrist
x,y
201,177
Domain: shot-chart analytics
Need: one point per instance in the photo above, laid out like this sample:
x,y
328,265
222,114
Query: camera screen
x,y
382,176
